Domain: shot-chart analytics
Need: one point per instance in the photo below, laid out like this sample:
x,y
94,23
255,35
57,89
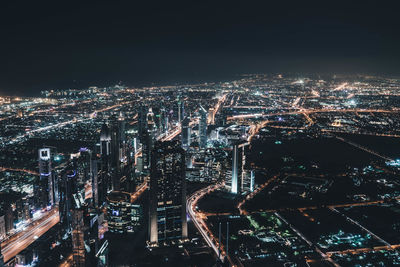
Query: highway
x,y
362,227
13,246
18,170
220,102
198,221
310,111
363,148
252,194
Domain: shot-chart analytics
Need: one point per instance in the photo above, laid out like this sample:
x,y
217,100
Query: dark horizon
x,y
69,45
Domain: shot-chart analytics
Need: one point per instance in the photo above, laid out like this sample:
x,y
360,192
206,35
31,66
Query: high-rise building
x,y
148,140
118,150
234,183
86,244
123,216
94,173
252,181
44,188
115,155
167,218
203,128
78,241
105,141
165,120
105,163
9,217
142,122
181,109
186,132
67,184
239,179
121,129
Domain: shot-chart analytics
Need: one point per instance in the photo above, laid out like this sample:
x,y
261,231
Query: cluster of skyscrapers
x,y
96,189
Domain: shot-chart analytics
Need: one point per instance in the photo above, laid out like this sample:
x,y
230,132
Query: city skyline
x,y
199,134
119,175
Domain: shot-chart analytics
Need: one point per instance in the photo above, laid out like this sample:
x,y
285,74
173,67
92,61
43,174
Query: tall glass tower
x,y
167,218
203,128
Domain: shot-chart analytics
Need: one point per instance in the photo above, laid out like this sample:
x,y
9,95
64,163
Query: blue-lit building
x,y
45,190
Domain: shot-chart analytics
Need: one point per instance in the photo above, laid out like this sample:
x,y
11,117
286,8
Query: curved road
x,y
199,222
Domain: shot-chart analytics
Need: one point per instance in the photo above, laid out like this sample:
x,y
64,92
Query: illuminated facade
x,y
44,189
181,110
186,132
203,128
234,183
122,215
78,242
167,218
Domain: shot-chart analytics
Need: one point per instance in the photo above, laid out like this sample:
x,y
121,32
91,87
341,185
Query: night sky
x,y
66,44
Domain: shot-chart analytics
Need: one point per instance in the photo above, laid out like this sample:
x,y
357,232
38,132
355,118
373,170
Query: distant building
x,y
181,109
203,128
252,181
235,163
147,139
113,151
116,154
9,217
167,218
239,179
186,132
105,147
142,122
94,173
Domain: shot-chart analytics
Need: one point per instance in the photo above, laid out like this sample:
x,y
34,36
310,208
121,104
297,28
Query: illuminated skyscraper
x,y
203,128
181,109
44,189
78,242
234,183
67,189
252,181
115,153
186,133
123,216
121,129
105,140
118,150
94,173
105,151
148,139
167,218
165,120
